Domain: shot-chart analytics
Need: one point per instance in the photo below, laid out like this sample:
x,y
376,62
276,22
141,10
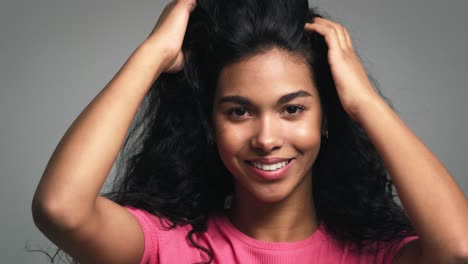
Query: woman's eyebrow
x,y
290,96
235,99
246,102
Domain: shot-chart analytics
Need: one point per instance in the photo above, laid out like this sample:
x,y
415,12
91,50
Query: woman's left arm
x,y
434,202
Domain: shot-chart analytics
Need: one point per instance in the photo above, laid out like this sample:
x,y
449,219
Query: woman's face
x,y
267,120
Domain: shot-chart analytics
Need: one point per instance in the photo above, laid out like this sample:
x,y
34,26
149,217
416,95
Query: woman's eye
x,y
293,109
237,112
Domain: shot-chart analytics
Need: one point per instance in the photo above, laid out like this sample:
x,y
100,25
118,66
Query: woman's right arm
x,y
67,207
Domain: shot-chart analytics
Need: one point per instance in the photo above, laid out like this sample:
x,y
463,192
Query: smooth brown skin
x,y
67,207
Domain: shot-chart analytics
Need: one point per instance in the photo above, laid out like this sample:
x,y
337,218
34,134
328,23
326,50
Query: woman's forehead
x,y
273,72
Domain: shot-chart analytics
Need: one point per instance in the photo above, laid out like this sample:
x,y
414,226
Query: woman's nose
x,y
267,136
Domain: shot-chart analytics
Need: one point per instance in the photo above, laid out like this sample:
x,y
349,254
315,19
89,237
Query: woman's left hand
x,y
352,83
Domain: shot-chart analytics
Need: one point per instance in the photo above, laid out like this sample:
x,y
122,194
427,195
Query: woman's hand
x,y
352,83
168,33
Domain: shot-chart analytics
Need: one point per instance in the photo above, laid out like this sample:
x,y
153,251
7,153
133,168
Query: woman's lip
x,y
270,175
268,160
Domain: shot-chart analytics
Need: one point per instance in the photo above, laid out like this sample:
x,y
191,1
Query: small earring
x,y
228,201
325,134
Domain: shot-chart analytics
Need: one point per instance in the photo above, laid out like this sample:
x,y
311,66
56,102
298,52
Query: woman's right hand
x,y
168,34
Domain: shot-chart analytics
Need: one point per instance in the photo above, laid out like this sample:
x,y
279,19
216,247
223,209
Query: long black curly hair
x,y
169,155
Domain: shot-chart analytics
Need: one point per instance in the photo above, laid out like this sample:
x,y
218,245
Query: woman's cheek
x,y
305,136
229,139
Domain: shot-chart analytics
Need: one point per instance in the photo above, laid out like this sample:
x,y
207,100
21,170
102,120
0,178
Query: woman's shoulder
x,y
378,251
160,235
154,222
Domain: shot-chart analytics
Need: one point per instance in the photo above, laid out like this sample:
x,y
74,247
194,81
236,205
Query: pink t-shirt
x,y
229,245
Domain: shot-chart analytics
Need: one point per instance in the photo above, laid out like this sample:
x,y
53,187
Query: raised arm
x,y
431,197
67,207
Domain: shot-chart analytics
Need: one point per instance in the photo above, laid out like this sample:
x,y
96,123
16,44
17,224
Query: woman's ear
x,y
324,126
324,123
211,136
187,55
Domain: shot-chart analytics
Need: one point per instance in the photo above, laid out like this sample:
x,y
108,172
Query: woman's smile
x,y
270,172
269,164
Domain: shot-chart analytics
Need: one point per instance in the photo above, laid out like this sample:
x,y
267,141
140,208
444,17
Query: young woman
x,y
260,139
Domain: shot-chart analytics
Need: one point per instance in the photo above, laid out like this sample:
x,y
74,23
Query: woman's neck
x,y
292,219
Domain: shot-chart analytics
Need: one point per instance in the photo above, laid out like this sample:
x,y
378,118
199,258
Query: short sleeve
x,y
390,252
150,254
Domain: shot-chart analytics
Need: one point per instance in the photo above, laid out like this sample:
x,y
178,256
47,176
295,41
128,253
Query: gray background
x,y
57,55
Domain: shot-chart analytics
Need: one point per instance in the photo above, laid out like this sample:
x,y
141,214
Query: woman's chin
x,y
270,198
265,193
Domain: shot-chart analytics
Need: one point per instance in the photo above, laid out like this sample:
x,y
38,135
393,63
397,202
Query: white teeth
x,y
270,167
